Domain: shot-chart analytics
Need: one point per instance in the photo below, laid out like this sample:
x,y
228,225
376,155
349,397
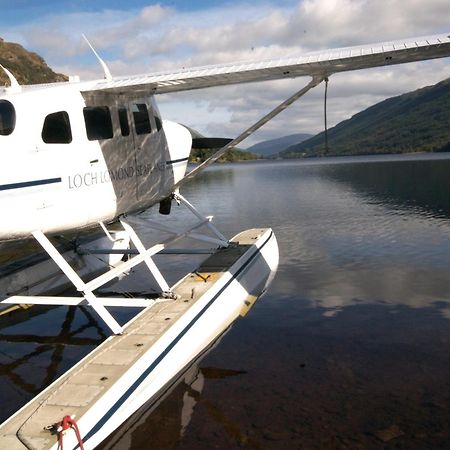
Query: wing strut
x,y
317,79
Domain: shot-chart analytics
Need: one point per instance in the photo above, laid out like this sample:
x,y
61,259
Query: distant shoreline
x,y
343,159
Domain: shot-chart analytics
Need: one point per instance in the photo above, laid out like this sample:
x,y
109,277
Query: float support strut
x,y
77,282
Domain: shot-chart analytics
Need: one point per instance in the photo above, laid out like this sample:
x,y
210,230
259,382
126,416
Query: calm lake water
x,y
350,348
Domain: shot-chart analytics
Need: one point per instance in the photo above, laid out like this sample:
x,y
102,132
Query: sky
x,y
138,36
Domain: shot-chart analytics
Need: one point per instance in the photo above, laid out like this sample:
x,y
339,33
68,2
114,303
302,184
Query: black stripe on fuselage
x,y
25,184
158,360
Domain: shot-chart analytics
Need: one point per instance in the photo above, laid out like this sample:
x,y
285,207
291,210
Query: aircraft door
x,y
108,125
149,146
123,170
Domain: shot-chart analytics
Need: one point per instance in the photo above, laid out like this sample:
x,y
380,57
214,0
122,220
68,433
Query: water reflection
x,y
37,351
349,233
168,421
349,348
419,186
348,381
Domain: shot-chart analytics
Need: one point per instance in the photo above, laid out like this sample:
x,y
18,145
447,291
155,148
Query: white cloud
x,y
159,38
132,29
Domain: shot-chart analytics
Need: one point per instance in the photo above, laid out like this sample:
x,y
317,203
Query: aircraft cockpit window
x,y
7,118
56,129
141,118
98,122
123,120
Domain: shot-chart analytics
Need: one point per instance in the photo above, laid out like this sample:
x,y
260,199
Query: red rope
x,y
64,425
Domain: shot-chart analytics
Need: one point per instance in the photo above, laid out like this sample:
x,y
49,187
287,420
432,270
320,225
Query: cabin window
x,y
141,118
98,122
123,120
158,123
7,118
56,129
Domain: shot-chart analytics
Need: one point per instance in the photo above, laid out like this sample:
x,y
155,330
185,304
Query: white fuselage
x,y
74,159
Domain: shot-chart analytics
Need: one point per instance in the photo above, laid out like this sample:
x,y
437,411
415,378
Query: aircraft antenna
x,y
105,68
15,86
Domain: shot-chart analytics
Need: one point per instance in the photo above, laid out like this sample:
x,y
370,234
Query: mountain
x,y
418,121
272,146
27,67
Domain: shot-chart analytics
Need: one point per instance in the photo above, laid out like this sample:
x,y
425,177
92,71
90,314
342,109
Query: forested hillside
x,y
418,121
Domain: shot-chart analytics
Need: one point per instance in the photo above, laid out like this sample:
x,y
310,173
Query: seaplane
x,y
81,155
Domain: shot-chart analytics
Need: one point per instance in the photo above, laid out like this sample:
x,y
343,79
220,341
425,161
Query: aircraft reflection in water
x,y
167,420
44,349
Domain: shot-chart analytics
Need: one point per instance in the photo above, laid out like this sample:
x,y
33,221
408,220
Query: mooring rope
x,y
67,423
325,115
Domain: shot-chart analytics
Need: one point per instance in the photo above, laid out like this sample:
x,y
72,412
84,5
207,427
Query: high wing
x,y
319,64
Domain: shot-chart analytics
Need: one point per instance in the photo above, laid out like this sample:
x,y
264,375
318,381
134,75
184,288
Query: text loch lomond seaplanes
x,y
99,177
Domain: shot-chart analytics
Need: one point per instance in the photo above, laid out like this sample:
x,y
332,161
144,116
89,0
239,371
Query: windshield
x,y
7,118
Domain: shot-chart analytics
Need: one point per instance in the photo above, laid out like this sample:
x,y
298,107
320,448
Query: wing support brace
x,y
142,254
317,79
